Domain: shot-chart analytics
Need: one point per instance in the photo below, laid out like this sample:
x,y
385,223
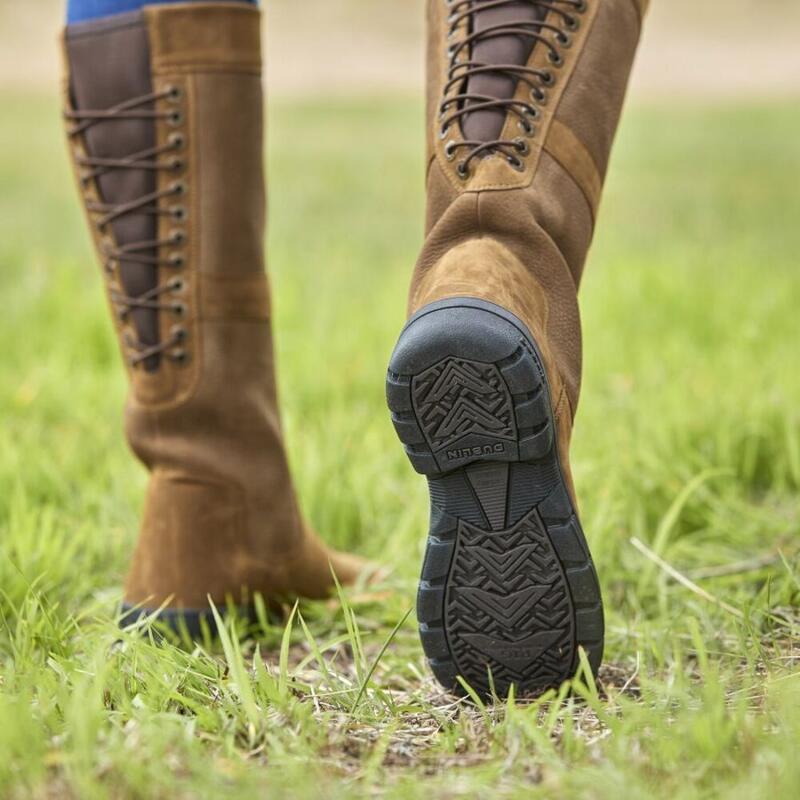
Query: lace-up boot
x,y
523,100
164,119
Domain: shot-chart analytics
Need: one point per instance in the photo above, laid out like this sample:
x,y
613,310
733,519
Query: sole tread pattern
x,y
508,591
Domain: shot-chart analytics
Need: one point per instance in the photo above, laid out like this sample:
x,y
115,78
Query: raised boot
x,y
523,99
165,128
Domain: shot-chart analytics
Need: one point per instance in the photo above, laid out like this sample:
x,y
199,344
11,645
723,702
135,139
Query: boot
x,y
523,100
165,127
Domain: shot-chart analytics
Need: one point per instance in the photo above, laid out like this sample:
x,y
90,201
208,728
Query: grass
x,y
687,458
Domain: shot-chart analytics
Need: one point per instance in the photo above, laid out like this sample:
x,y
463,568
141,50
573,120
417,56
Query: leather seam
x,y
641,7
204,68
576,183
593,207
562,395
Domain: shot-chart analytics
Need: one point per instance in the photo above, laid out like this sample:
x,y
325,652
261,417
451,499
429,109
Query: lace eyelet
x,y
179,213
177,285
177,237
463,170
516,163
176,165
443,131
178,334
581,6
572,23
555,58
176,141
564,39
174,93
539,96
523,148
175,118
179,309
176,261
526,127
547,78
179,356
450,150
178,188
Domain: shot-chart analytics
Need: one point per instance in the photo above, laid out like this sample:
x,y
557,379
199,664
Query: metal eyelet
x,y
179,356
516,163
175,93
581,6
463,170
523,148
547,78
179,309
177,285
176,261
176,165
179,213
175,118
178,334
555,58
539,96
572,23
176,141
564,39
450,150
178,188
526,127
443,131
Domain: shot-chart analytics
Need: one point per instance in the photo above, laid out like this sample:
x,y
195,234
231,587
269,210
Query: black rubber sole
x,y
508,590
194,623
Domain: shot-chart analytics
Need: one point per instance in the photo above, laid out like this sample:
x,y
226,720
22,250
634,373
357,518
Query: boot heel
x,y
508,591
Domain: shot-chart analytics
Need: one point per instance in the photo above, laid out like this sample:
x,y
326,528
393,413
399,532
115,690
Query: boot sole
x,y
508,591
195,623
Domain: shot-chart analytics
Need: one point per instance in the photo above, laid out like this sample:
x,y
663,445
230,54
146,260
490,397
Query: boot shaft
x,y
167,142
523,102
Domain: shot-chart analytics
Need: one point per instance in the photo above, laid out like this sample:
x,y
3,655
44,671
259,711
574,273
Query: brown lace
x,y
139,252
461,68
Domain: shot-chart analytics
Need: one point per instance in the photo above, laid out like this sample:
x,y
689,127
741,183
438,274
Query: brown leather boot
x,y
165,128
523,102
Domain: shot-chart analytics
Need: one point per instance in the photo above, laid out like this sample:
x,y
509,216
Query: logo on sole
x,y
517,656
469,452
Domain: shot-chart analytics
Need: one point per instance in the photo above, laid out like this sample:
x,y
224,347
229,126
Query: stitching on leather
x,y
592,202
562,396
205,68
641,7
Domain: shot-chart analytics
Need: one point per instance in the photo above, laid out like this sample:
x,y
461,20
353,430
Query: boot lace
x,y
160,158
458,101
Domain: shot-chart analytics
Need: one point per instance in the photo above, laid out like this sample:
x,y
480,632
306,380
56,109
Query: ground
x,y
686,458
